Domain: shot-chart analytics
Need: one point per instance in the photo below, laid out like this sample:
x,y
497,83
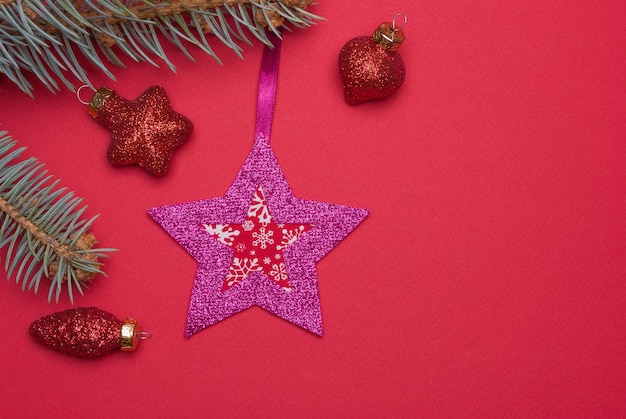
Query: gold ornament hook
x,y
395,27
78,94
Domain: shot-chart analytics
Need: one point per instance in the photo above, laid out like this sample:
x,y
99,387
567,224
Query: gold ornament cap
x,y
129,336
389,35
98,100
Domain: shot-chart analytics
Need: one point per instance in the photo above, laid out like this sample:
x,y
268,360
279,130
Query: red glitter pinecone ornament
x,y
86,332
371,67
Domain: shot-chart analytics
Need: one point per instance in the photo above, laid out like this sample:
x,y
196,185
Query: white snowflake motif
x,y
240,269
278,256
258,208
278,272
223,232
248,225
240,247
263,238
290,236
252,252
267,260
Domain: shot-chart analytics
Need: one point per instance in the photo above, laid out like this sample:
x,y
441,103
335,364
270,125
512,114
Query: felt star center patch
x,y
258,244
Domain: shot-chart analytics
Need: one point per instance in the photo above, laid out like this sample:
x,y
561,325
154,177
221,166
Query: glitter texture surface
x,y
369,71
85,332
301,305
145,131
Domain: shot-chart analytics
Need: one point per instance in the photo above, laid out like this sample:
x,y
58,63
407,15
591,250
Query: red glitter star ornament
x,y
145,131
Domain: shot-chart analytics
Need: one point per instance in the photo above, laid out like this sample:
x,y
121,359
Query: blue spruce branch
x,y
42,228
43,37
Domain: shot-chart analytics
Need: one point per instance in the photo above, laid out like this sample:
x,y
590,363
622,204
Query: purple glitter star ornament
x,y
331,223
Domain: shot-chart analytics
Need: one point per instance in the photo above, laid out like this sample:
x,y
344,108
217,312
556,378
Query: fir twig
x,y
42,228
43,36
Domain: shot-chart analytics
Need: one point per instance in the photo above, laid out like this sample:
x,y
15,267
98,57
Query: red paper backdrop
x,y
487,282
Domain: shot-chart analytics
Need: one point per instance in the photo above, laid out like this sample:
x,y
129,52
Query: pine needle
x,y
43,37
42,226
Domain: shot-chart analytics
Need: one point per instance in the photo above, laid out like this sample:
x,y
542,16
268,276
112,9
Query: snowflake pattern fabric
x,y
257,242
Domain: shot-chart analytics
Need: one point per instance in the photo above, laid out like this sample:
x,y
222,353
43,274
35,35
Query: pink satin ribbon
x,y
267,87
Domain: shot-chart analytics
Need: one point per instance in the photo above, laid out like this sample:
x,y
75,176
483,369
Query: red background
x,y
488,280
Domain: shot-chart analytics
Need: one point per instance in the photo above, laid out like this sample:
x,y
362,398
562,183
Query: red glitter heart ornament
x,y
371,67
